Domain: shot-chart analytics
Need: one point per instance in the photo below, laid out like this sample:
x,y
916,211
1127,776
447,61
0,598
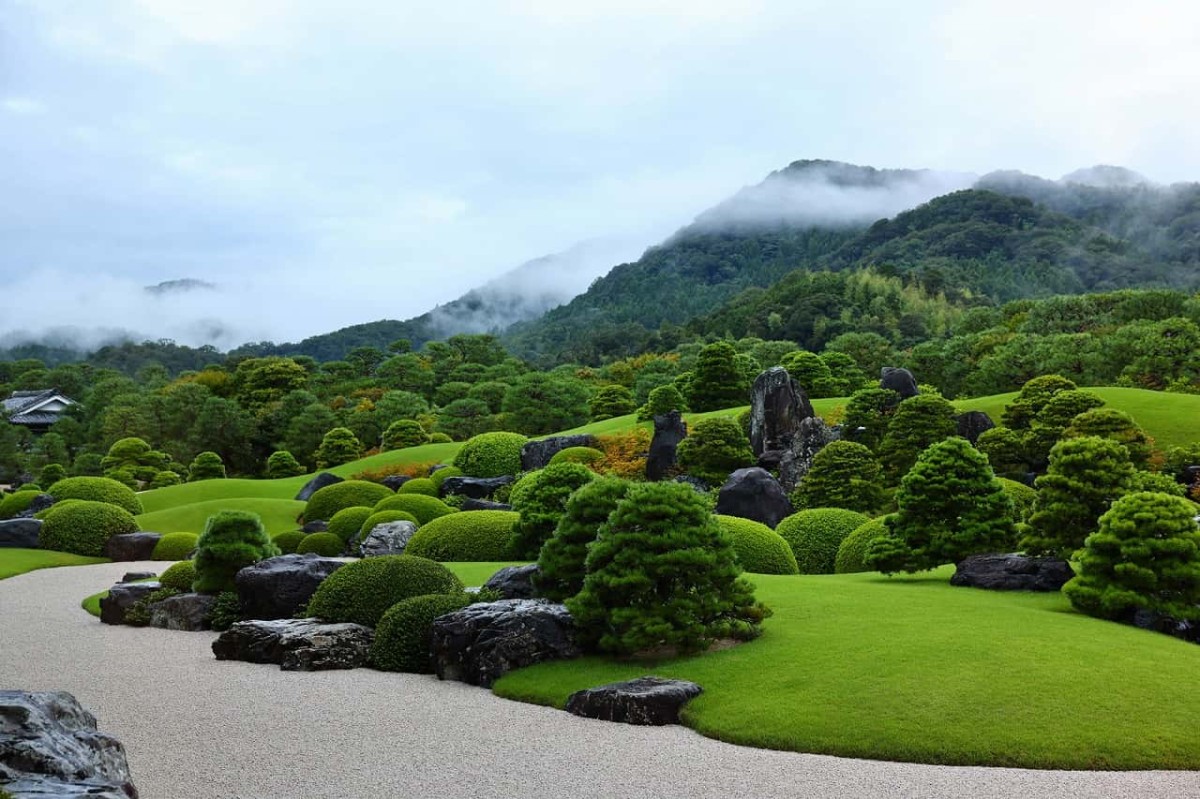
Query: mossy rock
x,y
175,546
325,544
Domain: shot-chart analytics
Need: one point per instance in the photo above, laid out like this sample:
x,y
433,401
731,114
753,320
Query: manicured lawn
x,y
912,669
14,561
278,515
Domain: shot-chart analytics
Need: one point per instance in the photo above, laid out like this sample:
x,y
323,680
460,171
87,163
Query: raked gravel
x,y
194,727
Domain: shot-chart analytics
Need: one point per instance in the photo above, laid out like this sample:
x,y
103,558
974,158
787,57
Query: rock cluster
x,y
296,644
121,597
474,487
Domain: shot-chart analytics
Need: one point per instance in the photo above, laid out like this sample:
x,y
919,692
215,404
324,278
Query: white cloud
x,y
22,106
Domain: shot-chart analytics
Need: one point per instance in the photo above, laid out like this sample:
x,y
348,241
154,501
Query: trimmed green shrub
x,y
337,447
283,464
347,522
541,505
917,423
175,546
97,489
123,476
15,503
421,485
84,527
225,611
52,473
611,401
1116,426
231,541
759,548
524,483
384,517
713,449
404,635
491,455
440,476
815,535
440,438
1021,496
661,400
424,509
561,561
1035,394
843,475
1157,483
716,381
289,541
163,479
852,553
206,466
1005,451
362,591
346,494
404,433
587,456
473,536
325,544
869,414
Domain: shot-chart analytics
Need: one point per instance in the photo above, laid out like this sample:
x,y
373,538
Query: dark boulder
x,y
1182,629
899,380
754,494
121,597
394,481
698,485
131,546
51,747
669,430
484,504
296,644
185,612
810,439
21,533
973,424
316,484
276,588
1011,572
133,577
513,582
481,643
646,700
537,454
315,526
778,403
474,487
40,503
389,538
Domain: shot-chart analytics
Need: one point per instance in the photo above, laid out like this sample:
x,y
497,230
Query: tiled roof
x,y
21,407
35,418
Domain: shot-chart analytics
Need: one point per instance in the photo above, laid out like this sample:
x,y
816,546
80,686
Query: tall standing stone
x,y
810,439
778,404
669,430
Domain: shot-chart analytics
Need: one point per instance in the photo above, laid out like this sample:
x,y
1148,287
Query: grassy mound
x,y
14,561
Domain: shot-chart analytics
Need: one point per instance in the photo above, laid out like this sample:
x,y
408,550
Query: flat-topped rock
x,y
121,597
1012,572
277,587
131,546
481,643
647,700
184,612
22,533
296,644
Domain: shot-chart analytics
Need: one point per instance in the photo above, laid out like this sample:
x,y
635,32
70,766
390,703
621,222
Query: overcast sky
x,y
338,162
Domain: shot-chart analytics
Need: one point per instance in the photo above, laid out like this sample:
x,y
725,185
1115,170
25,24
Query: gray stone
x,y
484,504
810,439
186,612
778,403
296,644
315,526
121,597
669,430
389,538
133,577
131,546
513,582
40,503
698,485
647,700
277,587
754,494
899,380
973,424
394,481
481,643
316,484
51,747
21,533
537,454
1012,572
474,487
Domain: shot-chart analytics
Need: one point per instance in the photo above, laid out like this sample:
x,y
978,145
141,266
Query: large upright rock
x,y
50,746
514,582
646,700
754,494
296,644
389,538
22,533
276,588
899,380
669,430
316,484
778,403
537,454
810,439
131,546
481,643
973,424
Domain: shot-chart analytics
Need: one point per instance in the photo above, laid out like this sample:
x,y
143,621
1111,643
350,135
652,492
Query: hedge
x,y
97,489
759,548
442,474
325,544
362,591
175,546
403,637
13,504
424,509
815,535
84,527
491,455
346,494
852,554
478,535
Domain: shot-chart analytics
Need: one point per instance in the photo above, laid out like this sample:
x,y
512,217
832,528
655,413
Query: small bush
x,y
163,479
84,527
231,541
491,455
852,554
713,449
362,591
226,611
287,542
475,536
325,544
283,464
625,453
541,505
440,438
403,637
424,509
404,433
561,561
175,546
337,447
179,576
843,475
16,503
52,473
587,456
97,489
347,522
759,548
206,466
421,485
346,494
1021,496
815,535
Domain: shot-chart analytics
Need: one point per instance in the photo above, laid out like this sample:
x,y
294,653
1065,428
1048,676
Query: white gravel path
x,y
194,727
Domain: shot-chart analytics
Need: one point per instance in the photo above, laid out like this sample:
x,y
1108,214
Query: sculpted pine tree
x,y
541,504
1115,425
715,447
868,414
561,562
662,399
716,382
1053,420
232,540
611,401
843,475
1020,413
917,423
337,447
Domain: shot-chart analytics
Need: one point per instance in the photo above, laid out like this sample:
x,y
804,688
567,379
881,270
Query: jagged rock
x,y
1167,625
51,747
696,483
186,612
21,533
771,459
810,439
39,504
394,481
973,424
133,577
296,644
277,587
484,504
1012,572
389,538
646,700
315,526
669,430
537,454
474,487
121,597
754,494
131,546
514,582
899,380
778,403
316,484
481,643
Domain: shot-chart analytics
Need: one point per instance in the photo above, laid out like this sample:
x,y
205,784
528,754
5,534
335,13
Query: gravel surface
x,y
195,727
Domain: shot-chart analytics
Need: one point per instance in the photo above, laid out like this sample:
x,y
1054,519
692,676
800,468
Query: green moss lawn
x,y
278,515
14,561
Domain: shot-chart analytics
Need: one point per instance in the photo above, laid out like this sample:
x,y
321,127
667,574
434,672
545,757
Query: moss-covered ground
x,y
14,561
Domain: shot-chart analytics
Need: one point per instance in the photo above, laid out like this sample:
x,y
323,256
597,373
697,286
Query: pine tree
x,y
1020,413
611,401
206,466
662,399
717,383
917,423
868,414
843,475
1115,425
541,504
561,562
337,447
232,540
714,448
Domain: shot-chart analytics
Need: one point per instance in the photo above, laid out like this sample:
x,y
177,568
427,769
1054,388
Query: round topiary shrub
x,y
440,438
325,544
404,433
852,554
84,527
424,509
175,546
759,548
385,517
561,562
588,456
713,449
179,577
347,522
491,455
289,541
231,541
1022,497
362,591
844,474
478,535
541,505
421,485
815,535
164,479
97,489
206,466
52,473
346,494
283,464
403,637
16,503
516,490
438,477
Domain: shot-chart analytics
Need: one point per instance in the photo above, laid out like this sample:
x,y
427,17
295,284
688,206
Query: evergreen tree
x,y
843,475
337,447
232,540
1020,413
1053,420
540,403
562,559
811,371
1005,451
716,382
868,415
206,466
404,433
1115,425
283,464
541,504
714,448
662,399
610,401
917,423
